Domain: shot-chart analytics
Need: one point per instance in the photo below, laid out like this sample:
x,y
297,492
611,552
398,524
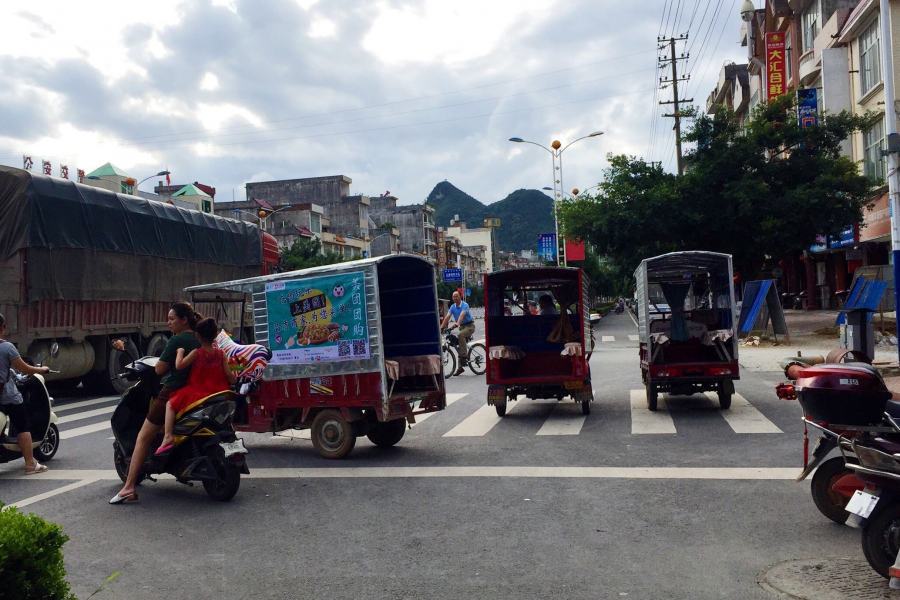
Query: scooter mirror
x,y
54,350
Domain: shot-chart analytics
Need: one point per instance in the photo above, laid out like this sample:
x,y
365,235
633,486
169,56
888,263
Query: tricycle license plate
x,y
862,504
573,385
232,448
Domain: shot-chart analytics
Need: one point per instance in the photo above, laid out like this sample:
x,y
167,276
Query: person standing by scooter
x,y
11,402
181,321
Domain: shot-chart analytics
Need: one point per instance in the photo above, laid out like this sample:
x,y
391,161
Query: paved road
x,y
691,502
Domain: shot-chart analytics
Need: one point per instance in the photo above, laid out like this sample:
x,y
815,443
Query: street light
x,y
263,216
556,152
160,174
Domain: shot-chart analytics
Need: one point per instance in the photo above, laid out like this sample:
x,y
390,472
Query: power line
x,y
709,33
712,56
223,135
325,114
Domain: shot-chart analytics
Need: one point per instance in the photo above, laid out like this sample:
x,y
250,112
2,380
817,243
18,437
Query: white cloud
x,y
322,28
209,82
213,116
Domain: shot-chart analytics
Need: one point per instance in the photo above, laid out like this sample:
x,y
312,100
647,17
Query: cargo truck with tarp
x,y
81,266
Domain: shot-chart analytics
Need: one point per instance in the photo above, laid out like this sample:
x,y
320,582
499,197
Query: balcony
x,y
809,68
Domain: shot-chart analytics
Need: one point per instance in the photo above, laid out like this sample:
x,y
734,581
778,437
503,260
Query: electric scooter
x,y
44,432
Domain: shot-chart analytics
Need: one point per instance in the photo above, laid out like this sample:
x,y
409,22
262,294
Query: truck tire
x,y
157,344
110,380
332,435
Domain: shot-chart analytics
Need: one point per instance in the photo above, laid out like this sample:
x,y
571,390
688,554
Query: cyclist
x,y
462,318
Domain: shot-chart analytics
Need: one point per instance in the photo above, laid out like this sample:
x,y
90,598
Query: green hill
x,y
523,214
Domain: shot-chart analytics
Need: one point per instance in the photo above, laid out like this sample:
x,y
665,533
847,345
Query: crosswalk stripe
x,y
744,417
481,421
633,338
78,431
608,338
451,398
86,414
566,419
644,421
64,407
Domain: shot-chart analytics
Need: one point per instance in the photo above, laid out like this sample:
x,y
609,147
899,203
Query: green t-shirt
x,y
187,340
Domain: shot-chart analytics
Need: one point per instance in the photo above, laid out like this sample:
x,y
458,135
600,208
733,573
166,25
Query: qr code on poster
x,y
343,347
359,347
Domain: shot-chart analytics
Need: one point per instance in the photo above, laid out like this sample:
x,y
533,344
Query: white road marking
x,y
633,338
566,419
551,472
71,433
86,414
51,493
633,319
481,421
64,407
645,421
744,417
608,338
451,398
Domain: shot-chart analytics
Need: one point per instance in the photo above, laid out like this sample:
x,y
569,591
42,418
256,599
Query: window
x,y
870,57
348,252
363,213
315,223
873,140
207,207
127,189
812,24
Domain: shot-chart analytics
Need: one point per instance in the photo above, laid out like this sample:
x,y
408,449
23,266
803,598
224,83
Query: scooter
x,y
44,432
206,447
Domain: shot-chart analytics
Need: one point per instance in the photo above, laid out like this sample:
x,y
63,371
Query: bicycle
x,y
477,362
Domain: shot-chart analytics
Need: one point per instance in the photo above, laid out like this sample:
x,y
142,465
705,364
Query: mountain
x,y
523,214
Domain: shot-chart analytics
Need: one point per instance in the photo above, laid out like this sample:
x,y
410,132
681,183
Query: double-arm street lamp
x,y
556,151
262,217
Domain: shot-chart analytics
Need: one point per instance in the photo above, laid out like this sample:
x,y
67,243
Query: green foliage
x,y
386,225
523,214
764,190
304,254
31,559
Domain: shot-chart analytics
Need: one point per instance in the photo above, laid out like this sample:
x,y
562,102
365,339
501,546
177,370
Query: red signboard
x,y
876,222
775,66
574,250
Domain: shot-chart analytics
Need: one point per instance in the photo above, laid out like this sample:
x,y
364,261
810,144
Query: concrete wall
x,y
315,190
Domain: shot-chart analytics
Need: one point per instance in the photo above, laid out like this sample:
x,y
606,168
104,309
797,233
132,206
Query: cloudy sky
x,y
396,94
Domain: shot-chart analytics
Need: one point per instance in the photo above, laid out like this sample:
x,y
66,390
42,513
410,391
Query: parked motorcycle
x,y
206,448
44,432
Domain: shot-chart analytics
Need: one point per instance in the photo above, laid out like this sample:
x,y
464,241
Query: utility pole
x,y
890,116
665,82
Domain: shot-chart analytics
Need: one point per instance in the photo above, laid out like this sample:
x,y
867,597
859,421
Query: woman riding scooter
x,y
11,402
181,321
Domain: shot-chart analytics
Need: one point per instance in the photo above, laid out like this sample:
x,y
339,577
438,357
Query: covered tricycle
x,y
537,328
686,310
355,350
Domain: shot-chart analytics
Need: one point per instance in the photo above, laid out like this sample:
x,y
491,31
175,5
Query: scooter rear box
x,y
843,394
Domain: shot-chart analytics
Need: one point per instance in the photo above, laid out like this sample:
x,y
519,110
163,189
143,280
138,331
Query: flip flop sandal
x,y
39,468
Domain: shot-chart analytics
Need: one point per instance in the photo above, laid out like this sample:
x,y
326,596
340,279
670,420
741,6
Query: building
x,y
732,91
112,178
194,198
481,236
414,224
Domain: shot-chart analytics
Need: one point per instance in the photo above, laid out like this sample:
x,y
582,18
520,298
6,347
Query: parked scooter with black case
x,y
206,448
44,432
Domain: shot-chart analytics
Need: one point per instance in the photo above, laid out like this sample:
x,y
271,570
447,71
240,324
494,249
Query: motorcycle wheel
x,y
881,537
120,463
49,445
228,477
830,503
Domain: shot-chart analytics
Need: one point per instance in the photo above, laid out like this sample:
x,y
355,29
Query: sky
x,y
398,95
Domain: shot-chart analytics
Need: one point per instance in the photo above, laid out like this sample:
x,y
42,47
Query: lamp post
x,y
369,243
264,216
556,151
160,174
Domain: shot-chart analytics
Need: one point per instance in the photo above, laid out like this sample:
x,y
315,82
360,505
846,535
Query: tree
x,y
755,192
305,253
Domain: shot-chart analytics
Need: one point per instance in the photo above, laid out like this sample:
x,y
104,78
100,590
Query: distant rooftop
x,y
108,170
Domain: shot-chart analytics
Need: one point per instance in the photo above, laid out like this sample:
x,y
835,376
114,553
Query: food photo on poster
x,y
318,319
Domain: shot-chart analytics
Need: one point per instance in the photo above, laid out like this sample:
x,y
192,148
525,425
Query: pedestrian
x,y
462,318
210,374
181,321
547,305
11,402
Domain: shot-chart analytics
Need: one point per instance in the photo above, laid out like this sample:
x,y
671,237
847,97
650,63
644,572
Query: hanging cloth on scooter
x,y
675,294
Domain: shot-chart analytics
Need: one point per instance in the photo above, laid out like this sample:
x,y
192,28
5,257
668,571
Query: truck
x,y
82,266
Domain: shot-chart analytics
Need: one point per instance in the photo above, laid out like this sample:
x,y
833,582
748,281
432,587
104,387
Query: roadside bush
x,y
31,559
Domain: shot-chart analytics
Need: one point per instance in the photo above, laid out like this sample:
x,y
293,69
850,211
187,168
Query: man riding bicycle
x,y
462,318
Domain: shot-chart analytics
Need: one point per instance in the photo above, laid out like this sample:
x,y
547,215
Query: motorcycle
x,y
206,447
44,431
620,308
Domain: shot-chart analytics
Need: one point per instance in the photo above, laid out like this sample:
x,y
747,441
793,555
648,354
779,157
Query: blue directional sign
x,y
547,247
468,291
452,274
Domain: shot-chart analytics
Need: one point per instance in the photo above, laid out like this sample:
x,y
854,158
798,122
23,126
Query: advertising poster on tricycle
x,y
318,319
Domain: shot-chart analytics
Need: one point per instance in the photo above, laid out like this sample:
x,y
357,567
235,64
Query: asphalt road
x,y
542,503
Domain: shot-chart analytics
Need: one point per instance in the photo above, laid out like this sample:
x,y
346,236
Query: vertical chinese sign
x,y
775,67
45,166
547,247
318,319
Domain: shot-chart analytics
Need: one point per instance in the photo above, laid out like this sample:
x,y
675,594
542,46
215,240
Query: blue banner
x,y
547,247
452,274
807,107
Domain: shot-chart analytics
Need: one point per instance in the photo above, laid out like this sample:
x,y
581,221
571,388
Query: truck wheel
x,y
49,445
157,344
115,367
332,435
652,396
385,435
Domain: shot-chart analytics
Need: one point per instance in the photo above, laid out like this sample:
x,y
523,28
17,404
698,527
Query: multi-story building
x,y
481,236
414,224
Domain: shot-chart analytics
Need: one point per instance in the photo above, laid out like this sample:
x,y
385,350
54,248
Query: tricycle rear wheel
x,y
385,435
586,407
332,435
725,392
652,396
500,407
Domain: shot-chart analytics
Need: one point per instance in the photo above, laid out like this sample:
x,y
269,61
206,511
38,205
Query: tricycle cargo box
x,y
843,394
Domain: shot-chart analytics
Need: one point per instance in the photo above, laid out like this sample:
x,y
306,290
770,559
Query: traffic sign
x,y
452,274
468,291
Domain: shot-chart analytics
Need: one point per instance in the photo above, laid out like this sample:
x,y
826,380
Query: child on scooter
x,y
210,375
